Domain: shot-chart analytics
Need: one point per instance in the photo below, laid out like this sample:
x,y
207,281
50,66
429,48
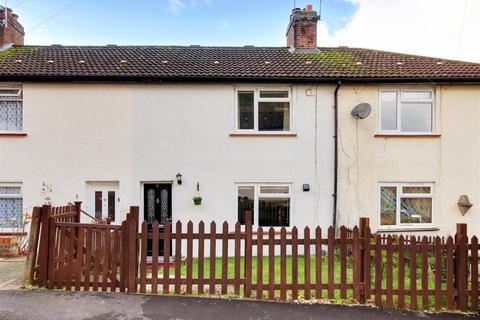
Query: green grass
x,y
337,275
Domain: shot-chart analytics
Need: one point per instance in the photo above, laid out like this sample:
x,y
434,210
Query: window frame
x,y
256,100
13,97
256,196
12,196
399,92
400,194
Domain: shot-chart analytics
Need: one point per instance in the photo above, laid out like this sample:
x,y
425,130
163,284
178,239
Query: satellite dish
x,y
361,111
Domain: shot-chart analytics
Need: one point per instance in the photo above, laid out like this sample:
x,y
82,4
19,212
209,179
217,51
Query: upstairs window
x,y
406,111
11,110
263,110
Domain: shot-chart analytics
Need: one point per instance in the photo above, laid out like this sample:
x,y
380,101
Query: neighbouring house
x,y
261,129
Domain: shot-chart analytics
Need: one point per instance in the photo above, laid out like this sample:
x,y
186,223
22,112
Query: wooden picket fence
x,y
405,271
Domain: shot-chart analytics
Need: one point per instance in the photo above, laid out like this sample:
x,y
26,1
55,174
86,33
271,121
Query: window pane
x,y
98,204
10,213
245,110
274,212
416,117
416,189
10,115
416,95
416,210
10,190
283,190
245,202
273,94
388,105
111,205
388,205
9,92
274,116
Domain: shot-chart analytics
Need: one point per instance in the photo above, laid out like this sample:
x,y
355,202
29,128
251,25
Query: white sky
x,y
440,28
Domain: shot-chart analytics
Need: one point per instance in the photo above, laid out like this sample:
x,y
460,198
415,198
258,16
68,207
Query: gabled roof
x,y
190,63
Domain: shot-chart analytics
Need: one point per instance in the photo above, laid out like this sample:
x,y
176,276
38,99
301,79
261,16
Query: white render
x,y
449,162
129,134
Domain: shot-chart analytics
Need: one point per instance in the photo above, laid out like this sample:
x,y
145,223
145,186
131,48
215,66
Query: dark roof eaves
x,y
211,79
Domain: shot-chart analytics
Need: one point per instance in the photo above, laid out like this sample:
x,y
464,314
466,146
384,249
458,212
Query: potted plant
x,y
197,201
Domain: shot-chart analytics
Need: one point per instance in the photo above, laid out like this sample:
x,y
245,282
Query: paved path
x,y
43,304
11,273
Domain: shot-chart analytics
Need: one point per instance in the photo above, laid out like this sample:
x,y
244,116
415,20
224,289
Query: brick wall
x,y
13,32
302,29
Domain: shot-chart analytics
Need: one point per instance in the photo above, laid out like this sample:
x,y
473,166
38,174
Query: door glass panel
x,y
245,110
274,116
163,206
274,212
150,205
98,205
245,202
111,205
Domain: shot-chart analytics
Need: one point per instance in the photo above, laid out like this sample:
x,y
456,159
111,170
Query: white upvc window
x,y
269,204
11,206
11,110
263,110
406,204
406,111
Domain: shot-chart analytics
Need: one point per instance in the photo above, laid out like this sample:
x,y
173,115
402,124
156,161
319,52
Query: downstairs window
x,y
406,204
271,202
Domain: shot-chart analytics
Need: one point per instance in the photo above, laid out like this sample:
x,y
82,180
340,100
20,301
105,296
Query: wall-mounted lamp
x,y
464,204
198,186
179,178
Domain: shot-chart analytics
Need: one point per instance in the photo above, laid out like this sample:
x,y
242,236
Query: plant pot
x,y
197,201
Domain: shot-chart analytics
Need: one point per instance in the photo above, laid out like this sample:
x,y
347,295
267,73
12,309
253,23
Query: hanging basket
x,y
197,201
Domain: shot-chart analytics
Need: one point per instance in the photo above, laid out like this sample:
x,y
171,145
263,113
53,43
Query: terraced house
x,y
262,129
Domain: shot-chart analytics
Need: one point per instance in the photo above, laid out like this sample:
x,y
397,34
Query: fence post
x,y
461,266
32,248
248,255
78,209
43,250
132,226
363,225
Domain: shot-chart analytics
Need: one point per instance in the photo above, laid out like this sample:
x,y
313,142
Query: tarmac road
x,y
44,304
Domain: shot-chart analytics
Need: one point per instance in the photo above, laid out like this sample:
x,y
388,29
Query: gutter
x,y
226,78
335,157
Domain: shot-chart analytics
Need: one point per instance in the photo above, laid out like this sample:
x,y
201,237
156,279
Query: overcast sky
x,y
443,28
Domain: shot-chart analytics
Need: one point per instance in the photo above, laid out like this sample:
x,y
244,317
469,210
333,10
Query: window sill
x,y
401,135
408,229
13,134
257,134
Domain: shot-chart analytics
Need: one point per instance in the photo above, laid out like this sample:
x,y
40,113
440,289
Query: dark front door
x,y
157,206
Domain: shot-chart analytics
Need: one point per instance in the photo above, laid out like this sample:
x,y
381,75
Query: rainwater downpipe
x,y
335,156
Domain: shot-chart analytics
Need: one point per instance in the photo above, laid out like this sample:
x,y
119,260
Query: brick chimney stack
x,y
11,31
302,29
